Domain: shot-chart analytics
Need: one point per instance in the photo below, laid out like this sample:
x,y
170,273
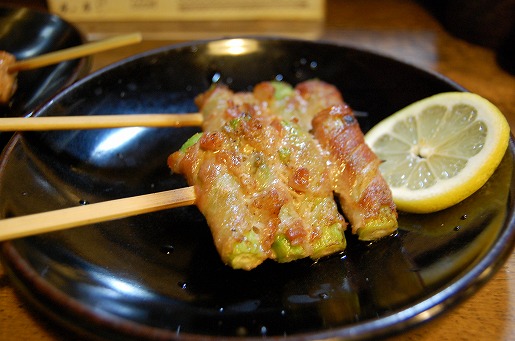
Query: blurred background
x,y
487,23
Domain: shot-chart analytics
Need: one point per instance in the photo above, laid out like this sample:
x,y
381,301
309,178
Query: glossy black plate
x,y
158,276
28,33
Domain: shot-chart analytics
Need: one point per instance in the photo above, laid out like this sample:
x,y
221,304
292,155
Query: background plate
x,y
158,276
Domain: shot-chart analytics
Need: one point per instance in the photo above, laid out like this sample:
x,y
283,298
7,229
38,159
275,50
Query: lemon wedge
x,y
438,151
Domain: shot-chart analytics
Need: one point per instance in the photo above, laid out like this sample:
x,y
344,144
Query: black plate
x,y
28,33
158,275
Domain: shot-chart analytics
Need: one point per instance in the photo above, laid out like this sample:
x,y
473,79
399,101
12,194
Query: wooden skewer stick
x,y
62,219
99,121
105,121
75,52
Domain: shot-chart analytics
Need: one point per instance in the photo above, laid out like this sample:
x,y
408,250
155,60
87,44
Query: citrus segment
x,y
439,150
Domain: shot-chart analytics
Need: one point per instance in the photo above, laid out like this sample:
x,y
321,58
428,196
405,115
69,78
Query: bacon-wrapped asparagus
x,y
265,190
363,193
348,166
318,107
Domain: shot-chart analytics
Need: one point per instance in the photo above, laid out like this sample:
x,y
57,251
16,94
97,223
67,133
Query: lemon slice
x,y
439,150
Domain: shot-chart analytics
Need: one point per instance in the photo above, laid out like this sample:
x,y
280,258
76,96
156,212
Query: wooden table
x,y
398,28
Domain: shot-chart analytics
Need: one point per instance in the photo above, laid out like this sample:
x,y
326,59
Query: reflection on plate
x,y
158,275
27,33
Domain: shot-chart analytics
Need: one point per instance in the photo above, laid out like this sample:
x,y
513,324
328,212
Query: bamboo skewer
x,y
62,219
99,121
38,123
75,52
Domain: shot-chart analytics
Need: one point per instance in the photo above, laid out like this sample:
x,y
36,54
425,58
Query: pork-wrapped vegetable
x,y
268,165
265,190
319,108
363,193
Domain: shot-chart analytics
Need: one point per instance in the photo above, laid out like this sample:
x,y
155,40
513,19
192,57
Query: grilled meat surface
x,y
363,193
297,104
265,190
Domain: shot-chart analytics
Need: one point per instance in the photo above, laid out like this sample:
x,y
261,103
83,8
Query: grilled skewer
x,y
259,165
